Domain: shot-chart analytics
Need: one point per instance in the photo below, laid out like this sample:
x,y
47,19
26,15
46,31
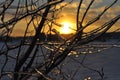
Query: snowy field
x,y
106,60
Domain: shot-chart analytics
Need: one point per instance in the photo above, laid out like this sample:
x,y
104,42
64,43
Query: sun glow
x,y
66,28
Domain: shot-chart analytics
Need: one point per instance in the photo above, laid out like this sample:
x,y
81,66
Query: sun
x,y
66,28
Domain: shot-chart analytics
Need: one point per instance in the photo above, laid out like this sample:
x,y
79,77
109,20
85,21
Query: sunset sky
x,y
69,13
67,16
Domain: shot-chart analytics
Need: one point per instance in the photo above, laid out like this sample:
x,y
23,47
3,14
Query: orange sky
x,y
68,14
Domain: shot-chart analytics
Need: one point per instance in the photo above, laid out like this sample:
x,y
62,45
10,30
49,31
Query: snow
x,y
106,61
109,60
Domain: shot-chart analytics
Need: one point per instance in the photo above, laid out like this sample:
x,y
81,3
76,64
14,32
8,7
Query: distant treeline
x,y
42,37
54,37
108,36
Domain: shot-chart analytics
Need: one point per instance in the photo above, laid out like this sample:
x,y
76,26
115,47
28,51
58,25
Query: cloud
x,y
68,13
98,1
70,10
115,9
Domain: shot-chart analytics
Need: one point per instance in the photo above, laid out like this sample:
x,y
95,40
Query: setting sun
x,y
66,28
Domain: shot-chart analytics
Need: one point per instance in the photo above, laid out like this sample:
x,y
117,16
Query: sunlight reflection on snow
x,y
88,78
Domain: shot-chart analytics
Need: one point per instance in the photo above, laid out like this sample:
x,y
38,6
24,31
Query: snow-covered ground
x,y
109,60
106,61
